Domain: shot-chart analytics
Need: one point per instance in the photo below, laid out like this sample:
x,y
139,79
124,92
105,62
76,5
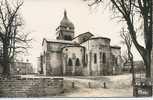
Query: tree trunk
x,y
133,75
6,62
133,72
147,62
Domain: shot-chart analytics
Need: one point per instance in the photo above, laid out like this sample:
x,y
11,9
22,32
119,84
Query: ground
x,y
89,86
116,86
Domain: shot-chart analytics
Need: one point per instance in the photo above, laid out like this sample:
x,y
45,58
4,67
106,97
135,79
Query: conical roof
x,y
66,22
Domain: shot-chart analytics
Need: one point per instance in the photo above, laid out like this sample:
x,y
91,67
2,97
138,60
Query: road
x,y
117,86
87,86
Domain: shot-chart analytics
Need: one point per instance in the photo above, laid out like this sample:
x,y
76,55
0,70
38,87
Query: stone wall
x,y
96,48
31,87
54,61
52,57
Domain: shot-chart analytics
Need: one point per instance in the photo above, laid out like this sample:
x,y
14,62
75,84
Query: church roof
x,y
66,22
83,37
99,37
57,41
116,47
84,34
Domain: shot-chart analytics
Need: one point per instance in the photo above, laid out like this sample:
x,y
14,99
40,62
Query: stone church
x,y
83,55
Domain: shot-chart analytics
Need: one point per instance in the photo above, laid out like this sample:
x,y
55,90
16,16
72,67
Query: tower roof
x,y
66,22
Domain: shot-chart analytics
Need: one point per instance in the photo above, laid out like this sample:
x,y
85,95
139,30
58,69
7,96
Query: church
x,y
83,55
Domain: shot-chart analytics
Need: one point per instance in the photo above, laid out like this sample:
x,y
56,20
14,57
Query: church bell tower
x,y
65,30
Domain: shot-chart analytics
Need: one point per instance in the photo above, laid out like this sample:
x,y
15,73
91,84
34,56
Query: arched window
x,y
70,62
116,61
44,57
69,38
95,58
113,59
86,58
77,62
65,37
104,58
100,57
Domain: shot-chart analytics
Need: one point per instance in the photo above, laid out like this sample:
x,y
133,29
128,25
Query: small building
x,y
40,64
21,68
16,67
138,67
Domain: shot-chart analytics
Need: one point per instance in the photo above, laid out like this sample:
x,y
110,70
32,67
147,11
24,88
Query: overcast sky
x,y
42,17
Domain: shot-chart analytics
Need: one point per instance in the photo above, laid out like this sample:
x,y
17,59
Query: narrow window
x,y
95,58
113,59
65,37
70,62
100,57
104,58
77,62
116,61
69,38
47,57
44,57
86,58
0,52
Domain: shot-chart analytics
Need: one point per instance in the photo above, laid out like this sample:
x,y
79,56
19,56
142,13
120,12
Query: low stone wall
x,y
31,87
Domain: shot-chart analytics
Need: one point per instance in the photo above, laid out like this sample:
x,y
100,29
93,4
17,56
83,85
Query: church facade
x,y
82,55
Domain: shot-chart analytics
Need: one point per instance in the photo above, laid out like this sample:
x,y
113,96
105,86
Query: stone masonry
x,y
31,87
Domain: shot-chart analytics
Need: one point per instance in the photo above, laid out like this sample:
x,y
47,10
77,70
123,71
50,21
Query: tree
x,y
128,42
11,36
125,57
128,11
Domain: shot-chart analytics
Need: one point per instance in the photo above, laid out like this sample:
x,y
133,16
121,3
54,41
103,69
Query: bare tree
x,y
12,38
125,57
128,42
128,11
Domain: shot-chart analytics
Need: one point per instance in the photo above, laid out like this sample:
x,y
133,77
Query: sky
x,y
42,17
